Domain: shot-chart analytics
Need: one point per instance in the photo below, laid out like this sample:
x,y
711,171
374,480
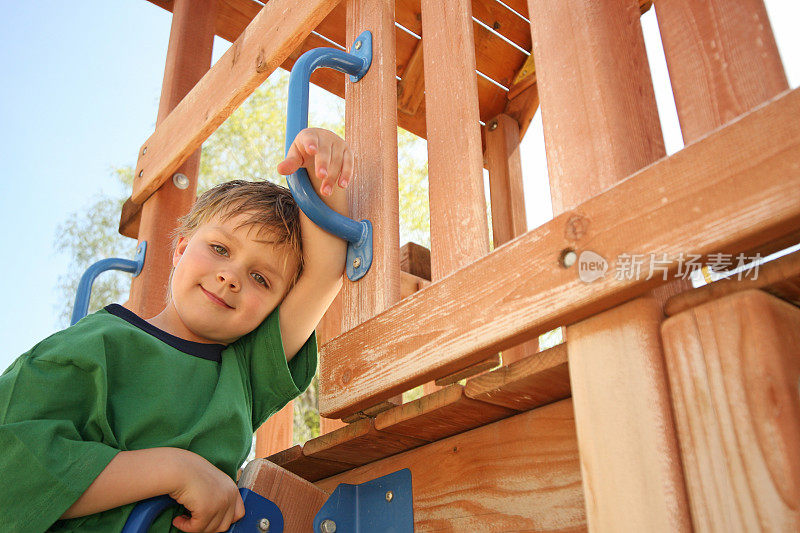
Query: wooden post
x,y
277,433
459,228
600,125
371,131
507,199
722,60
734,370
188,58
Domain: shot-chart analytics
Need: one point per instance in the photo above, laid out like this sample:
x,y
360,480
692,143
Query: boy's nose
x,y
228,279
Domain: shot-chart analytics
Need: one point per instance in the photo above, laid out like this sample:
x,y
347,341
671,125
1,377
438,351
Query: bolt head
x,y
493,125
568,258
356,262
389,495
263,525
358,45
181,181
144,150
141,173
327,526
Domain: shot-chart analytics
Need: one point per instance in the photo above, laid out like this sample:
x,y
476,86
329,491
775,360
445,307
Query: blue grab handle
x,y
356,64
134,266
258,511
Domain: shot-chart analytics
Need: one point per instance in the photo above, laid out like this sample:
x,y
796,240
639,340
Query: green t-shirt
x,y
114,382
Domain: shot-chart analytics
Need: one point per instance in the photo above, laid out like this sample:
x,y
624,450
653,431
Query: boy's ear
x,y
179,249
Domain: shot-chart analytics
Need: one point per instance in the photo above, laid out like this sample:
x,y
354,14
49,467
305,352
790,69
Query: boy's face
x,y
227,279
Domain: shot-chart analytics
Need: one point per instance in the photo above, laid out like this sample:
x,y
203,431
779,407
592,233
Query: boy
x,y
117,409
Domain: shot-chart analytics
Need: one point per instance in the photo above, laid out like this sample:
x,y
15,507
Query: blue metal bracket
x,y
261,514
383,505
134,266
356,64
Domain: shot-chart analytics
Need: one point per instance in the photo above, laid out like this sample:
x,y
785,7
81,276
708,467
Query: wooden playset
x,y
667,408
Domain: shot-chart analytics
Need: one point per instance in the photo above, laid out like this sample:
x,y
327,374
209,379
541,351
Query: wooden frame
x,y
740,185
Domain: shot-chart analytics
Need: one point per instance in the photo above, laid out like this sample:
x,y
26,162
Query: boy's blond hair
x,y
271,208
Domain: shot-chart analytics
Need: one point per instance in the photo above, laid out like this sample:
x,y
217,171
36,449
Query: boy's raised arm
x,y
329,163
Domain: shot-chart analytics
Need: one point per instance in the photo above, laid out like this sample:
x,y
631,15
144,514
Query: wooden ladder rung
x,y
308,468
525,384
441,414
358,443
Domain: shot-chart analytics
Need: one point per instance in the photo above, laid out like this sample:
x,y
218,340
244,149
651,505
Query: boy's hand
x,y
324,154
211,497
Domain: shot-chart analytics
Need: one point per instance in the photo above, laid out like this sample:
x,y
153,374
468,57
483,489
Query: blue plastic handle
x,y
358,234
134,266
257,510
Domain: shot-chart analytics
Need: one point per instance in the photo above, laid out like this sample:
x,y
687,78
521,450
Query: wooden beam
x,y
733,368
626,395
277,433
774,277
188,59
740,184
309,468
518,474
722,61
298,500
261,48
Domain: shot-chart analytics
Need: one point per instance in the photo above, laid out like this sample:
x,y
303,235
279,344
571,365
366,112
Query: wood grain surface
x,y
734,365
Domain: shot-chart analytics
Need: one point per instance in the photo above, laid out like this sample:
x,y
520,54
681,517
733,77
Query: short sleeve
x,y
50,441
273,381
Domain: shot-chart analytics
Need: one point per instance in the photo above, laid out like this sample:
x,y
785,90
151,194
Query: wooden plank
x,y
733,368
415,259
626,435
525,384
740,185
459,229
358,443
777,277
188,59
277,433
309,468
261,48
600,125
371,132
523,107
411,88
518,474
507,198
723,61
298,499
444,413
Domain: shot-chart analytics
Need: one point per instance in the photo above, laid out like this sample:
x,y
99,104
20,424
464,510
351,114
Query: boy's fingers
x,y
322,163
347,169
335,168
289,165
309,140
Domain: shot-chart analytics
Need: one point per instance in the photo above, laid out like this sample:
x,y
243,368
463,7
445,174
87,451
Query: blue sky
x,y
80,95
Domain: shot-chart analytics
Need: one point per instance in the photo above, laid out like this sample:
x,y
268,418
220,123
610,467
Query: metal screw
x,y
180,180
141,172
356,262
389,496
568,258
144,150
493,125
263,525
358,45
327,526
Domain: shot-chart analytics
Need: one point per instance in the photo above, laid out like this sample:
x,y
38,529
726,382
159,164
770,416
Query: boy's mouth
x,y
216,299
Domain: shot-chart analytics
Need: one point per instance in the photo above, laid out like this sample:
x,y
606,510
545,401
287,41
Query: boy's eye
x,y
259,279
221,250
